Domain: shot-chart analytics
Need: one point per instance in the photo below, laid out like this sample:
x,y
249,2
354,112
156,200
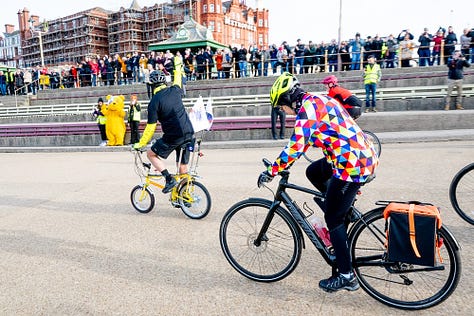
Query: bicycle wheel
x,y
461,193
375,140
280,250
194,199
401,285
143,199
308,158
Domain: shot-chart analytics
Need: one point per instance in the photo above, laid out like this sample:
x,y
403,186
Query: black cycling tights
x,y
339,197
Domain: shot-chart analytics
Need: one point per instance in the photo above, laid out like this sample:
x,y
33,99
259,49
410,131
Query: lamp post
x,y
339,61
40,38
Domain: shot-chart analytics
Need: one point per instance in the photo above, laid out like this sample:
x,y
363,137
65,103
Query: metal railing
x,y
235,101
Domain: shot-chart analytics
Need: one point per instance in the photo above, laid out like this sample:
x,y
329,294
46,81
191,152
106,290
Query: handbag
x,y
412,233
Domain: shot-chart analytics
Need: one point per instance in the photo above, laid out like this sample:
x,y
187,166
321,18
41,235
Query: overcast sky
x,y
314,20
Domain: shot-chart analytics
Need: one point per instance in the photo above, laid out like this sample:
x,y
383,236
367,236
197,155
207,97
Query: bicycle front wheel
x,y
398,284
275,256
194,199
142,198
375,140
461,193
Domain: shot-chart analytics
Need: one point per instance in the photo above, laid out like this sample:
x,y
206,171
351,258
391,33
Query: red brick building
x,y
98,31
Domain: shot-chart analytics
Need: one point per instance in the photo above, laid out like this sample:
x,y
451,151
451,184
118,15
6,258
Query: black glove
x,y
263,178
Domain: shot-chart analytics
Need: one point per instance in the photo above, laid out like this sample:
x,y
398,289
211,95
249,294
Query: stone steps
x,y
402,77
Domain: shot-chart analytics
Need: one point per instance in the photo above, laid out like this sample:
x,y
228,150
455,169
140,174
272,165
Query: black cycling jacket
x,y
167,107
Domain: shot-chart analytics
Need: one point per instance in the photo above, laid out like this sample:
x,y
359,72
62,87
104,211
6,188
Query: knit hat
x,y
100,100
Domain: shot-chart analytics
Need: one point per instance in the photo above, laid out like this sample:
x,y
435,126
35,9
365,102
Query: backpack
x,y
412,233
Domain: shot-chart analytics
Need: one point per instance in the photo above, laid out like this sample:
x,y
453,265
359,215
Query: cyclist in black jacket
x,y
166,106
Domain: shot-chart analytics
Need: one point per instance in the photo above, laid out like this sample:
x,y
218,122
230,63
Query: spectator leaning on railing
x,y
424,53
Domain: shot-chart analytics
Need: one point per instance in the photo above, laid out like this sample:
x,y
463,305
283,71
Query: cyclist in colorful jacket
x,y
350,161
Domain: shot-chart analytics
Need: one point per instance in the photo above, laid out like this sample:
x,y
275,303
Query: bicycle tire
x,y
398,285
276,257
143,199
375,140
461,193
305,155
194,199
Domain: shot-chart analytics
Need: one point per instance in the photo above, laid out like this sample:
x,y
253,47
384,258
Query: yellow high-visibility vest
x,y
372,73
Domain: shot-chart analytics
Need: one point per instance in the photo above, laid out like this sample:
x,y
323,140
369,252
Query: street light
x,y
339,61
40,40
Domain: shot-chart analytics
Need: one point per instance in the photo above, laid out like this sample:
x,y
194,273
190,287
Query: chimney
x,y
36,20
9,28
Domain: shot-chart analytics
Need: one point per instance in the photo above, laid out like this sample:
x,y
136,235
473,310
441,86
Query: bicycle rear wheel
x,y
461,193
278,253
399,284
375,140
142,198
194,199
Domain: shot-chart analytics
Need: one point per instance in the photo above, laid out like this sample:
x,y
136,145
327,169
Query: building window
x,y
260,39
219,27
211,7
233,35
218,8
260,22
211,26
204,8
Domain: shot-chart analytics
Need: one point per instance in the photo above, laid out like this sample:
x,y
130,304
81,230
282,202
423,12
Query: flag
x,y
198,116
210,116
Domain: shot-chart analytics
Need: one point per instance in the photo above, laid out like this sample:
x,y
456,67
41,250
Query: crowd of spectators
x,y
403,50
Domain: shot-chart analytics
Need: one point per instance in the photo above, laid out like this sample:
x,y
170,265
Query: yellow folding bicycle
x,y
190,195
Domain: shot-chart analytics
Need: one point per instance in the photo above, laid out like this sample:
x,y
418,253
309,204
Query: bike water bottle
x,y
320,228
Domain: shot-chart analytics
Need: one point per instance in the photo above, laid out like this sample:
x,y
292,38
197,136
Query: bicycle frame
x,y
151,179
281,196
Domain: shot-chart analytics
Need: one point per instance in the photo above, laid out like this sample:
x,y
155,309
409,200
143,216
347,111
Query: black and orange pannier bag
x,y
412,233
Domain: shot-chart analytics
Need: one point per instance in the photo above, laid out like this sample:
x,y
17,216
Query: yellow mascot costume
x,y
115,126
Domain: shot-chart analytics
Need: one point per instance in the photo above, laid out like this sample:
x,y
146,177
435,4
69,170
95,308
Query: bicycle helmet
x,y
330,79
157,77
283,88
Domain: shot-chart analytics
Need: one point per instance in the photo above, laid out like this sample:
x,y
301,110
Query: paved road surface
x,y
71,243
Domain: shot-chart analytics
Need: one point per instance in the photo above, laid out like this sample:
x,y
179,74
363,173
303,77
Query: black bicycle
x,y
263,241
461,193
371,137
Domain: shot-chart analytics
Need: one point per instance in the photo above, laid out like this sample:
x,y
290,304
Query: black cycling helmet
x,y
157,77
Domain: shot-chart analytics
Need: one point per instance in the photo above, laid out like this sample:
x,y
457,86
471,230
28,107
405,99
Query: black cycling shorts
x,y
163,149
354,112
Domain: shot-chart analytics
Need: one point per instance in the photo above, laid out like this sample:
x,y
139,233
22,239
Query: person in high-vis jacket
x,y
99,116
166,106
134,117
372,76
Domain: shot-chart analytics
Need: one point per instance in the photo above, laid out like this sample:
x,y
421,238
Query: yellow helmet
x,y
282,89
